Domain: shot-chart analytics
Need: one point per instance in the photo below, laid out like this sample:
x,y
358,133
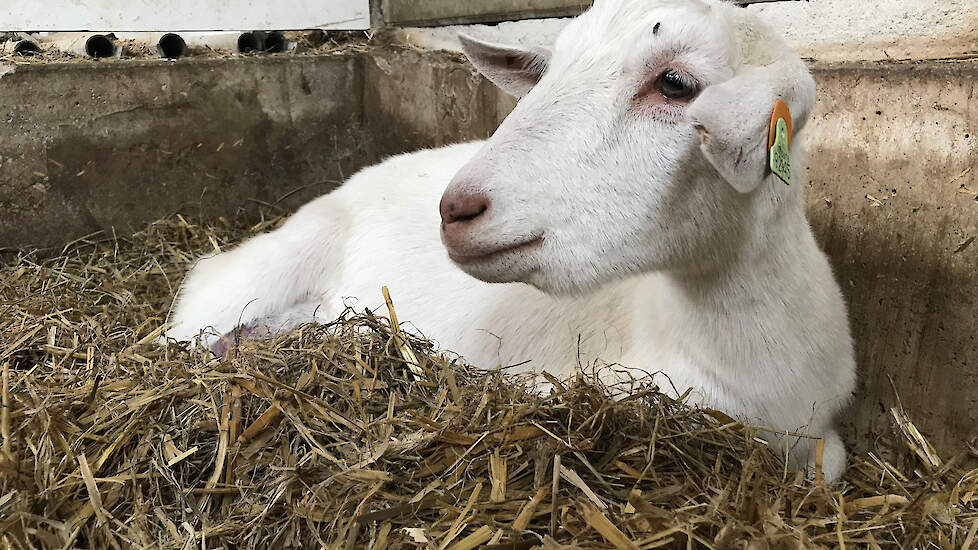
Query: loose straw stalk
x,y
8,452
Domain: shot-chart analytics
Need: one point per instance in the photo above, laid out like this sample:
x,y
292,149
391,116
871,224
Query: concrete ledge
x,y
426,13
827,30
453,12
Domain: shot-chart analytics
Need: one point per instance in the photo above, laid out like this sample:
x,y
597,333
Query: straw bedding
x,y
357,435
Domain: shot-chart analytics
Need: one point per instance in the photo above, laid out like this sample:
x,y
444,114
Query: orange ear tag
x,y
780,111
779,141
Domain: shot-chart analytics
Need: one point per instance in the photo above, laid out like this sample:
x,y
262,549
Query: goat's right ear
x,y
734,117
515,70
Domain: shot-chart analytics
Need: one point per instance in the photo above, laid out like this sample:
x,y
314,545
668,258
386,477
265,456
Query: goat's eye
x,y
675,85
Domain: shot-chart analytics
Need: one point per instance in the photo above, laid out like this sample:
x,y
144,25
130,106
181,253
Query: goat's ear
x,y
515,70
733,118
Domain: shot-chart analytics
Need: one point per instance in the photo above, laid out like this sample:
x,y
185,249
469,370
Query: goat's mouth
x,y
485,256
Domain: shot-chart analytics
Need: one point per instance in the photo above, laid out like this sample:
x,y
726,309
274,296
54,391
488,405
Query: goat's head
x,y
638,144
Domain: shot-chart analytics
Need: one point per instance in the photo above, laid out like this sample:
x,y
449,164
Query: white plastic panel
x,y
182,15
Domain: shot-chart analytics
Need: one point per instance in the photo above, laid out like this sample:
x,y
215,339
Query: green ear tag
x,y
780,158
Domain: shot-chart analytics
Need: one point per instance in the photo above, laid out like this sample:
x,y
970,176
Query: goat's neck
x,y
777,283
772,253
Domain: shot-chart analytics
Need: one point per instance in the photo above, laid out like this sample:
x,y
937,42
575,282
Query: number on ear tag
x,y
780,157
779,141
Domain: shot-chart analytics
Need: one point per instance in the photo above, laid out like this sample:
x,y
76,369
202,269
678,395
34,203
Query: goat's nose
x,y
462,208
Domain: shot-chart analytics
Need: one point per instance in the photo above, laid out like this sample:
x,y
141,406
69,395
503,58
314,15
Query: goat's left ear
x,y
734,117
515,70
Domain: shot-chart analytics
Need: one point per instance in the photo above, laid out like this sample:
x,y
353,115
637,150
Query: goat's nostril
x,y
461,215
463,209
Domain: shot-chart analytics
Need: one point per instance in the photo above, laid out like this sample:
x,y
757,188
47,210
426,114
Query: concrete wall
x,y
417,100
112,146
88,147
836,30
893,201
890,195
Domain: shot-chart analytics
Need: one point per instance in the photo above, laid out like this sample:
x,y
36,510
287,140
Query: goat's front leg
x,y
269,327
260,279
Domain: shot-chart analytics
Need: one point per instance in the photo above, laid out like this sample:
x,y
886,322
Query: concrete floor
x,y
92,147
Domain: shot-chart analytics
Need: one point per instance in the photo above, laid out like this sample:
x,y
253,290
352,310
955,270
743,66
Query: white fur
x,y
666,245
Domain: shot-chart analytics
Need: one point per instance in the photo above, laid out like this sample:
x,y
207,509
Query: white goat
x,y
628,189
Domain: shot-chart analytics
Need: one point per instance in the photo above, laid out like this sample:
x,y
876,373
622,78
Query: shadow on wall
x,y
914,330
89,147
894,201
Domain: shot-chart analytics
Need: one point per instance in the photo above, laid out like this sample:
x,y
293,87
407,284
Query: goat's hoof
x,y
231,340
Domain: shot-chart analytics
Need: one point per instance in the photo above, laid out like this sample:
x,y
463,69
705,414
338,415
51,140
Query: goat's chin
x,y
497,272
548,279
508,264
535,277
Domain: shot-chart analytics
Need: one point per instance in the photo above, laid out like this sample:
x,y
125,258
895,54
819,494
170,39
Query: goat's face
x,y
635,145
